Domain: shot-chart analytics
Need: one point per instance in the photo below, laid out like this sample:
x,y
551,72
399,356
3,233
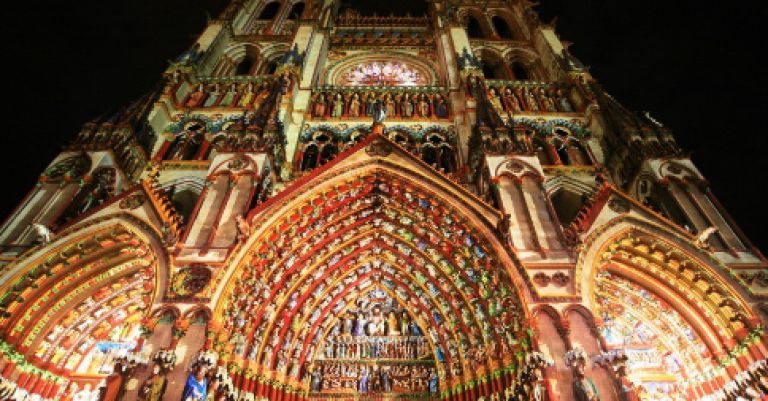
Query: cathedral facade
x,y
323,205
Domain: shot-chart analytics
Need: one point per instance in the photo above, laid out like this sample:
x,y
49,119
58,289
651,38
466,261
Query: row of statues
x,y
363,379
377,323
751,384
405,105
247,95
111,388
346,347
516,99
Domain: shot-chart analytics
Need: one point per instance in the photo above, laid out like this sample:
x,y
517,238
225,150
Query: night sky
x,y
693,66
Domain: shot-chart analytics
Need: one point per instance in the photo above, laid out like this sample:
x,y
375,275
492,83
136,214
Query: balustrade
x,y
258,27
287,28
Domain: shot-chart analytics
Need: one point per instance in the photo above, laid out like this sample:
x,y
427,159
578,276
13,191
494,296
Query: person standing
x,y
196,387
154,387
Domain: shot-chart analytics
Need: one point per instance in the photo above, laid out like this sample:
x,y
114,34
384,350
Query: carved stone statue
x,y
153,388
44,234
379,112
583,388
243,227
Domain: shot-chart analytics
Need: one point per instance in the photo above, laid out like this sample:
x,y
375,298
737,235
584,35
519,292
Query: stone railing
x,y
287,27
375,347
478,43
353,20
258,27
189,165
392,36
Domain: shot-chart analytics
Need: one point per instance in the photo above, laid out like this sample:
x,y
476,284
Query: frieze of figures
x,y
339,377
376,347
414,103
528,97
226,92
353,19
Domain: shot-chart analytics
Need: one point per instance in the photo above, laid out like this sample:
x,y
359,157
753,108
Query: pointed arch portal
x,y
331,284
684,329
75,308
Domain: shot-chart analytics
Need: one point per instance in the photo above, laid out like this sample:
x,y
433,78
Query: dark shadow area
x,y
399,8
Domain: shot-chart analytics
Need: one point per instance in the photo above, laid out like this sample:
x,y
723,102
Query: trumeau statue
x,y
379,112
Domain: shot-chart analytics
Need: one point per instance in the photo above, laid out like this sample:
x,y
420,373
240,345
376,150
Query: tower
x,y
318,203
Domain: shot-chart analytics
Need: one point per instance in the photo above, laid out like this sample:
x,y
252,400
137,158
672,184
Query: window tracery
x,y
383,73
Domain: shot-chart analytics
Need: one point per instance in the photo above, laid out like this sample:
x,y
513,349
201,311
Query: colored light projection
x,y
665,354
317,264
81,308
383,73
374,347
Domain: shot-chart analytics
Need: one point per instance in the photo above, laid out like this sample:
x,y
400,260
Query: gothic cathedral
x,y
323,205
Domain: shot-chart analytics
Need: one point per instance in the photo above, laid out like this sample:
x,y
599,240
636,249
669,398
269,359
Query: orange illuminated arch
x,y
368,225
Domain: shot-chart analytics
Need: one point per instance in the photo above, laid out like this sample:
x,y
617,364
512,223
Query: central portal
x,y
375,348
373,289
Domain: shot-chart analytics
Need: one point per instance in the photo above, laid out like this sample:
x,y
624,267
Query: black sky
x,y
693,65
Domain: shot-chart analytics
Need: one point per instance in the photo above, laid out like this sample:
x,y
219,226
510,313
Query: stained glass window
x,y
383,73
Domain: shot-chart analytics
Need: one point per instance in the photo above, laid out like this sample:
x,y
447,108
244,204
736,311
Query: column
x,y
512,201
203,224
698,221
716,219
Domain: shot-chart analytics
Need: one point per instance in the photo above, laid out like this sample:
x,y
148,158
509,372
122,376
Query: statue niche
x,y
93,193
186,145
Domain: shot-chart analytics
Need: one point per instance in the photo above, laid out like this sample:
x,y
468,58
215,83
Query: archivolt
x,y
714,308
101,270
374,230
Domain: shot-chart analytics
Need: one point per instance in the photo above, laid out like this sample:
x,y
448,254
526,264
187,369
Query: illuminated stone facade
x,y
323,205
